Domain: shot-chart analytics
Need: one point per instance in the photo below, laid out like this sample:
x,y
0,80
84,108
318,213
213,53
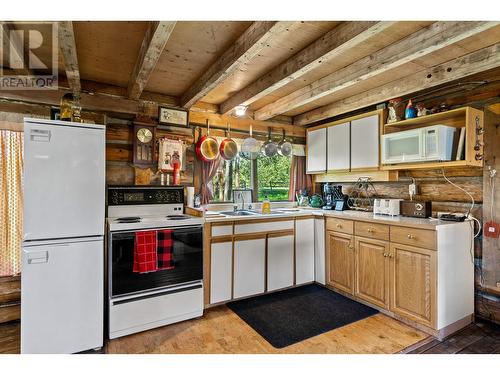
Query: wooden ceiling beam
x,y
152,47
16,51
256,38
67,46
430,39
472,63
337,41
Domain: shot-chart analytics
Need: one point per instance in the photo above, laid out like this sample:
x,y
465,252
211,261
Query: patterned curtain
x,y
299,180
11,202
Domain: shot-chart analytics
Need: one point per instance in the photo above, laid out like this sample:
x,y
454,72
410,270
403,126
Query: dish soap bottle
x,y
266,206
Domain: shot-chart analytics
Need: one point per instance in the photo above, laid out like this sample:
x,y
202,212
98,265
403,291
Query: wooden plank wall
x,y
119,139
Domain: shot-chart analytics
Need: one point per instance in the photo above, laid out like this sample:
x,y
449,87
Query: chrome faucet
x,y
240,195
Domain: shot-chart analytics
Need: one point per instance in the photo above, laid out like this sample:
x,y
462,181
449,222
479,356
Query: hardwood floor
x,y
221,331
482,337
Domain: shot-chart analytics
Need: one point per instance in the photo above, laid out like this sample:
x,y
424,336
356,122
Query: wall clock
x,y
144,139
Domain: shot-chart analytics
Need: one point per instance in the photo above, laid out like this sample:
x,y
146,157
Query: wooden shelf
x,y
465,117
425,165
430,119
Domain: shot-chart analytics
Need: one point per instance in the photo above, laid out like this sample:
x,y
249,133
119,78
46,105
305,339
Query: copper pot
x,y
207,148
228,148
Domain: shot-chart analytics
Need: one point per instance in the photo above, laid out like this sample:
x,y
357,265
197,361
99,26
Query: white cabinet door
x,y
62,298
249,267
304,251
319,251
365,142
279,262
221,264
316,151
339,147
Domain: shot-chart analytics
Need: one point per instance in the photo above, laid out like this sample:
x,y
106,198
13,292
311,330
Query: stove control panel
x,y
136,195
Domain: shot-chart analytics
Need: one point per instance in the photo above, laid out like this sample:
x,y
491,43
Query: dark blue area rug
x,y
290,316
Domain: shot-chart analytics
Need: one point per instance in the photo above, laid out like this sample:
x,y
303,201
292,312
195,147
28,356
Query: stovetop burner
x,y
177,217
129,219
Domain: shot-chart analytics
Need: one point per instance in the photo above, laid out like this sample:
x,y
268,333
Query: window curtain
x,y
299,180
11,201
208,171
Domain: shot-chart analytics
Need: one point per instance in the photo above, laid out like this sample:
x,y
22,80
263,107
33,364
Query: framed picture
x,y
172,116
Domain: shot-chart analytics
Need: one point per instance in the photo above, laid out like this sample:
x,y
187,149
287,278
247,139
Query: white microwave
x,y
432,143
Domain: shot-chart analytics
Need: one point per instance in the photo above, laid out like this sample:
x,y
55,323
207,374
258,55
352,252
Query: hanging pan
x,y
269,148
250,148
228,148
207,148
284,147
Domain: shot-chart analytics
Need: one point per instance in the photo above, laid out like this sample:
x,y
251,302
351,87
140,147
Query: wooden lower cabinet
x,y
372,271
413,283
340,261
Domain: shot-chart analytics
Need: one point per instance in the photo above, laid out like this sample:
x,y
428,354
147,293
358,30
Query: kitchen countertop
x,y
348,214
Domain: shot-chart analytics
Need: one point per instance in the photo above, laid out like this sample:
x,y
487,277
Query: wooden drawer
x,y
416,237
371,230
340,225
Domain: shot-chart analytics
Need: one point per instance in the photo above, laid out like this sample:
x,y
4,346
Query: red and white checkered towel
x,y
165,249
145,257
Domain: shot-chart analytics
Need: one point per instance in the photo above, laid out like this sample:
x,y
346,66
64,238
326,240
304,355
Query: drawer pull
x,y
411,236
370,230
339,225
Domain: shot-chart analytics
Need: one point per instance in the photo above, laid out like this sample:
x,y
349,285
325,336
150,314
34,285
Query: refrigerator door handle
x,y
38,135
38,257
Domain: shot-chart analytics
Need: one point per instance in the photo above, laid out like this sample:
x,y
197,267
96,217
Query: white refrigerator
x,y
62,275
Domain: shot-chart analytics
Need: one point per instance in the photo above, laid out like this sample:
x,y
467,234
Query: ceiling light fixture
x,y
240,110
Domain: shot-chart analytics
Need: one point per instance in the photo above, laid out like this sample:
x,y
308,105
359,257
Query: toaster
x,y
386,206
421,209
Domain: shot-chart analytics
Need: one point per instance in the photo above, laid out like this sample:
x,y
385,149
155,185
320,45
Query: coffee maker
x,y
334,198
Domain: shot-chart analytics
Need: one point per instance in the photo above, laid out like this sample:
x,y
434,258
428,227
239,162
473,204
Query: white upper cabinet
x,y
339,147
316,151
365,142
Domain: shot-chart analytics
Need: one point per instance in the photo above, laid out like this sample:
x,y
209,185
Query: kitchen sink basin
x,y
238,213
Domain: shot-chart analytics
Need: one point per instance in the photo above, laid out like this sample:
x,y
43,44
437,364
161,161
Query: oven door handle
x,y
159,294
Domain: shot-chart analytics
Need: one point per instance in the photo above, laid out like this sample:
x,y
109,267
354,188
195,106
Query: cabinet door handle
x,y
391,255
386,255
351,247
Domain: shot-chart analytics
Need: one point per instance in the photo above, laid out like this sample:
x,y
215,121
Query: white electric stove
x,y
141,301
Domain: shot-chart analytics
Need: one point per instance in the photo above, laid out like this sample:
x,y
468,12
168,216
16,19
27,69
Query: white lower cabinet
x,y
249,267
304,251
319,251
279,262
221,264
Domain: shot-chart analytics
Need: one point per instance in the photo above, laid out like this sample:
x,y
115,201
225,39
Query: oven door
x,y
187,262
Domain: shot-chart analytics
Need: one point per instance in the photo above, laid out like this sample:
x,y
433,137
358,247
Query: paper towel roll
x,y
190,196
